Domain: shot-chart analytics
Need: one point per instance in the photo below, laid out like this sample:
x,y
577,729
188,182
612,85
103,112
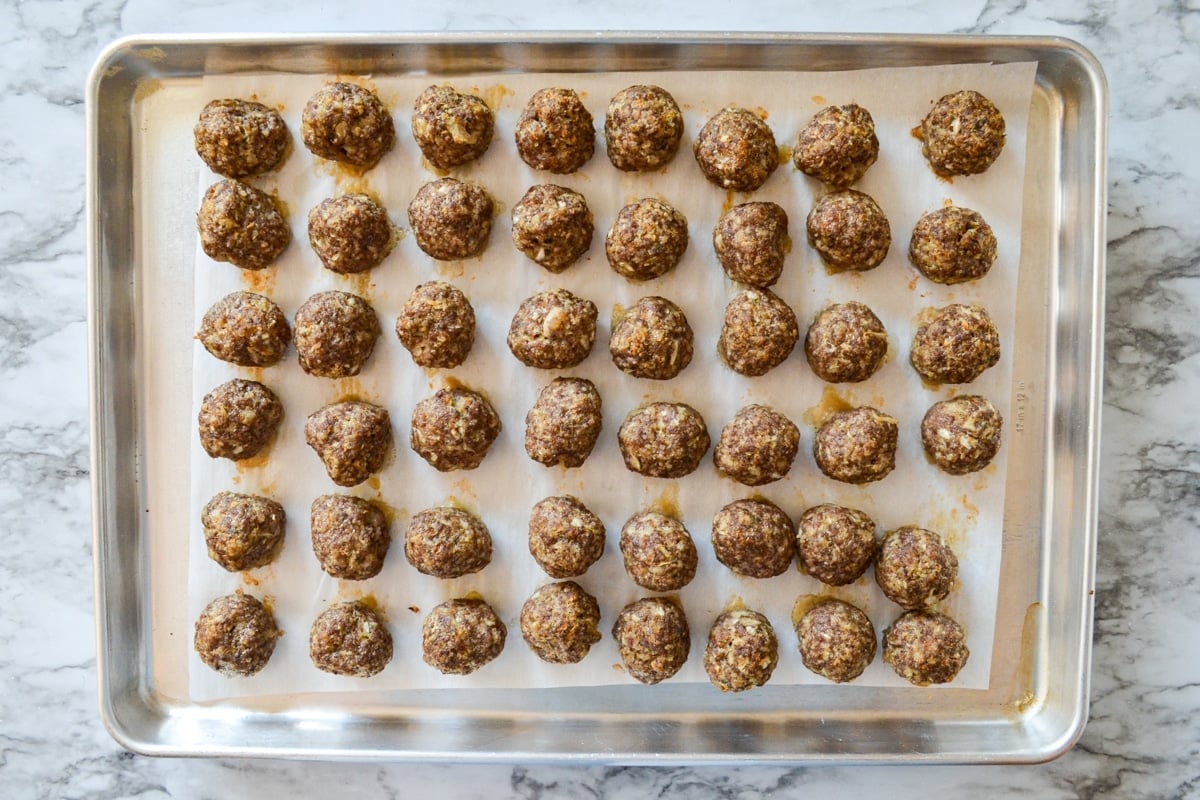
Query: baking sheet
x,y
968,510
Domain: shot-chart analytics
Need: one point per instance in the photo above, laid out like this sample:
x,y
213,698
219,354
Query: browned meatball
x,y
642,128
846,343
242,225
353,440
351,233
451,219
350,639
962,435
751,241
246,329
924,647
237,138
963,134
242,531
652,340
565,538
835,543
915,568
837,640
663,440
759,332
646,240
952,245
235,635
555,132
857,446
754,538
736,150
553,330
335,334
349,536
850,231
956,345
347,123
659,552
238,419
838,145
560,622
460,636
437,325
454,429
653,639
553,226
447,543
451,128
742,651
564,423
757,446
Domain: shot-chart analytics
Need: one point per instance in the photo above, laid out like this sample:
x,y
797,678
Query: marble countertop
x,y
1143,740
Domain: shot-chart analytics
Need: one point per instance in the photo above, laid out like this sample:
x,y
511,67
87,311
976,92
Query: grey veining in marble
x,y
1143,740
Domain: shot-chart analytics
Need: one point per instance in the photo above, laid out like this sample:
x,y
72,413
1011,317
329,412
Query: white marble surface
x,y
1143,740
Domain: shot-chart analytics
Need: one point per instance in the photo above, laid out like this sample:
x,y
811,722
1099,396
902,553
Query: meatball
x,y
345,122
835,543
736,150
652,340
952,245
915,568
564,423
350,639
460,636
353,440
850,231
553,330
857,446
754,538
956,345
451,219
837,146
653,639
659,552
758,334
235,635
242,531
246,329
647,240
963,134
555,132
560,622
751,241
454,429
553,226
846,343
237,138
757,446
451,128
663,440
837,640
335,334
242,225
349,536
565,538
351,233
642,128
742,651
447,543
924,647
238,418
437,325
961,435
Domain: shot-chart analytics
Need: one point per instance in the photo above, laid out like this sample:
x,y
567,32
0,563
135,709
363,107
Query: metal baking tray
x,y
140,317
